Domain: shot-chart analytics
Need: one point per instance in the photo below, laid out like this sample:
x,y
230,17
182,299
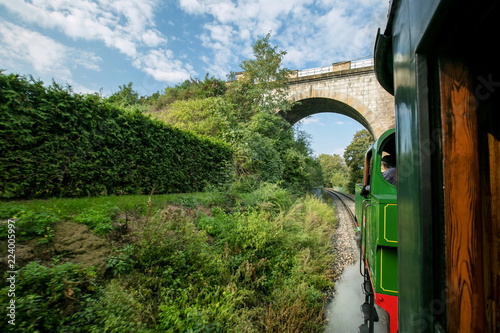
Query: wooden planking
x,y
491,233
464,269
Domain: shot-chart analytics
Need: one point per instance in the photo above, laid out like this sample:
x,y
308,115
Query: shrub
x,y
268,196
28,223
58,143
253,268
98,218
46,297
119,309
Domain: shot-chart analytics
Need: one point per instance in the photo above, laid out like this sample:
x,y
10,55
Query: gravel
x,y
343,241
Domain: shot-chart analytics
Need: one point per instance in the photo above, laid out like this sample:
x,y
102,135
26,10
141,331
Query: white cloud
x,y
311,31
46,56
317,31
125,25
338,151
162,66
192,6
339,123
105,20
311,120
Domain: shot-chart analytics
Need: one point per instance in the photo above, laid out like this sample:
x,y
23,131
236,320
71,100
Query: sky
x,y
99,45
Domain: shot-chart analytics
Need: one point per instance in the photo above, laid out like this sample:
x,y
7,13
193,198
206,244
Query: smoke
x,y
343,312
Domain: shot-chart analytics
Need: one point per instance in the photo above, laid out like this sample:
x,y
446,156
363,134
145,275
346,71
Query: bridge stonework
x,y
355,93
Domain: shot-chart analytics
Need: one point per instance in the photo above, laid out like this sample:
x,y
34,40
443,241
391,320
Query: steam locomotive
x,y
377,215
440,239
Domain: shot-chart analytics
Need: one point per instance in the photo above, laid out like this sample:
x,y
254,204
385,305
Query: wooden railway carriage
x,y
376,213
439,59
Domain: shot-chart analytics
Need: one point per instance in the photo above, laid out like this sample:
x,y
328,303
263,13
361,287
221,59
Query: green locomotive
x,y
440,61
376,214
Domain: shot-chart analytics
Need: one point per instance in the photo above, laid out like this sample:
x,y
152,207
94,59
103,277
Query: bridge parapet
x,y
349,88
335,67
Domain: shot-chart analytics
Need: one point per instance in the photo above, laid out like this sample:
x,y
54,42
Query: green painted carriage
x,y
438,59
376,213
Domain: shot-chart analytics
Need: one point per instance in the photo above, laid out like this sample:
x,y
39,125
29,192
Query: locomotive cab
x,y
376,213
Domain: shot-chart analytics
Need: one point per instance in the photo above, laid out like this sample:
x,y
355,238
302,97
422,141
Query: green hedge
x,y
54,142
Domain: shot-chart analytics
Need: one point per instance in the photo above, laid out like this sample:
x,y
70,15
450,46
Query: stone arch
x,y
314,105
357,95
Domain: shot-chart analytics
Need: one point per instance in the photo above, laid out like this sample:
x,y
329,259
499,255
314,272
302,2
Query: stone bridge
x,y
349,88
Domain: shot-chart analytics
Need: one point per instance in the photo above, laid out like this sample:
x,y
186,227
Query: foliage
x,y
354,156
246,257
335,171
263,84
122,262
118,309
28,223
243,113
273,254
58,143
211,116
125,96
190,89
98,218
260,265
67,208
266,148
267,196
47,297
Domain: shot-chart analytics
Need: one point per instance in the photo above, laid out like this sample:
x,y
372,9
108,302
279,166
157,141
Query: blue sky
x,y
98,45
330,133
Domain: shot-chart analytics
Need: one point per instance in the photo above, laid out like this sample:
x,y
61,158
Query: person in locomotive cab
x,y
389,164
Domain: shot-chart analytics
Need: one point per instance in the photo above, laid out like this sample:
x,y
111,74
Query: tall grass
x,y
190,263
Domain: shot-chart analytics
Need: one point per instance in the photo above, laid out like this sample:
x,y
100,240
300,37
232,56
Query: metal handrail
x,y
328,69
362,63
315,71
363,235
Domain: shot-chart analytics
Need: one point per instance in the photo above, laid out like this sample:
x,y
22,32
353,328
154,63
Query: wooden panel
x,y
491,231
464,268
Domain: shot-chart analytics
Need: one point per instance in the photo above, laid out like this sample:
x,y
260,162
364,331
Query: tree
x,y
125,96
267,146
354,156
335,171
211,116
263,85
191,89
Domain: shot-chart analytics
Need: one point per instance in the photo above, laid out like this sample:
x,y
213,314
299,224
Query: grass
x,y
68,207
202,262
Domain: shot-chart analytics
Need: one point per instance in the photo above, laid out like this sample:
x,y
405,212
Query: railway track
x,y
344,312
344,239
347,203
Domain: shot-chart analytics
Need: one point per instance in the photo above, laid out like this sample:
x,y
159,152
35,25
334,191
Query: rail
x,y
341,196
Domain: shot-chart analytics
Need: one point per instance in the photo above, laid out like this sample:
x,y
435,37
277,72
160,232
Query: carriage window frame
x,y
391,139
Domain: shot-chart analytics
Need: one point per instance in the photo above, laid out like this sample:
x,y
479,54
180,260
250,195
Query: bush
x,y
28,223
119,309
98,218
58,143
268,196
256,267
46,297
